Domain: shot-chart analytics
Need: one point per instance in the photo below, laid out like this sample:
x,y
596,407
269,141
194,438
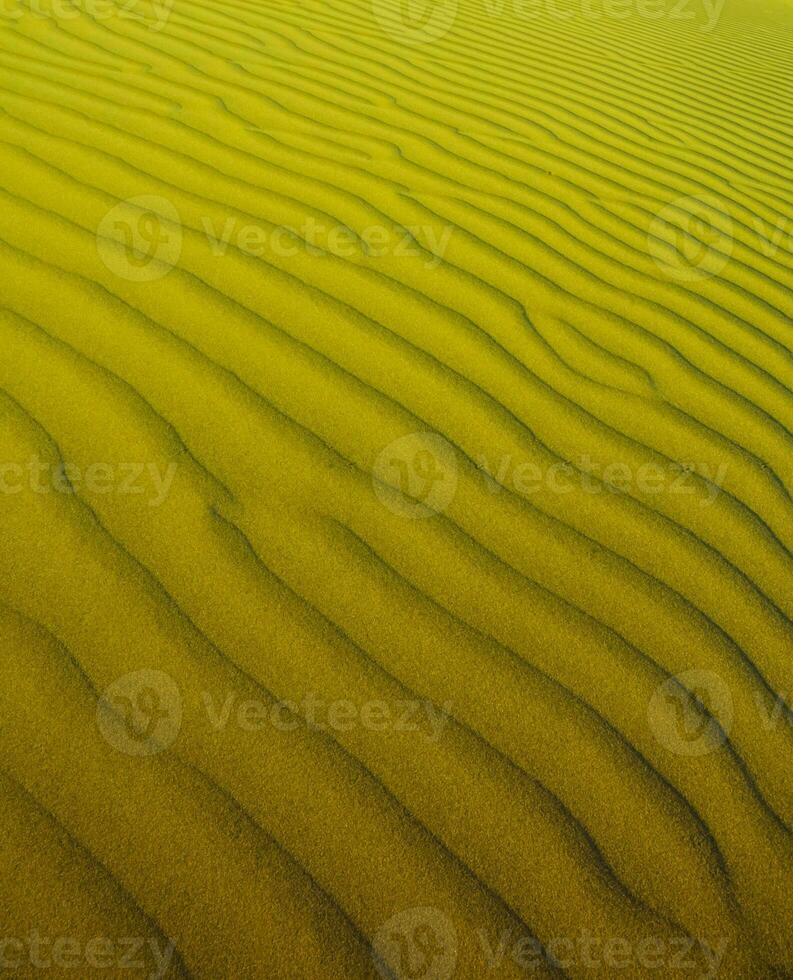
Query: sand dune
x,y
395,455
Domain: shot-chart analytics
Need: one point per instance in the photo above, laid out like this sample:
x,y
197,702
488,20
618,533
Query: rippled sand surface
x,y
396,404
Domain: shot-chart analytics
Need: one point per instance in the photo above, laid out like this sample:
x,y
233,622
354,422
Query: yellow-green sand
x,y
396,457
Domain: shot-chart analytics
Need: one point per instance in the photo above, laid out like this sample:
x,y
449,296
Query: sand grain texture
x,y
394,311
